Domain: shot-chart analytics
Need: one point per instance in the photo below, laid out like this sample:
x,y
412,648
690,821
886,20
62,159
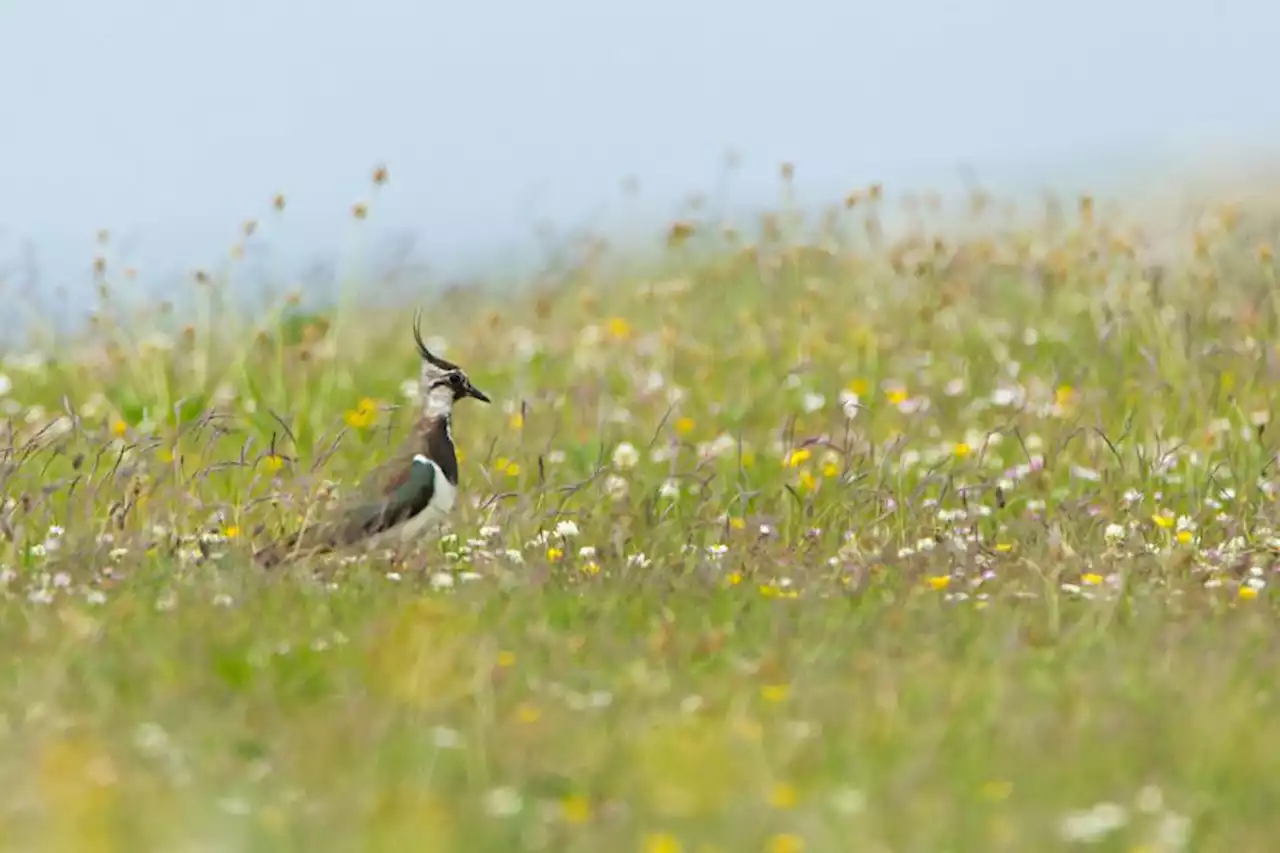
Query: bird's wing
x,y
394,492
407,493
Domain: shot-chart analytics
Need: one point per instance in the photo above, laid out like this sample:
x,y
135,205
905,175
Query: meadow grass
x,y
845,543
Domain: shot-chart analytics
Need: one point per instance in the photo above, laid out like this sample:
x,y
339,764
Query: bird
x,y
408,494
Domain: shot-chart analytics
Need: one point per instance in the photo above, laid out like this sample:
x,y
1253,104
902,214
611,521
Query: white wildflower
x,y
625,456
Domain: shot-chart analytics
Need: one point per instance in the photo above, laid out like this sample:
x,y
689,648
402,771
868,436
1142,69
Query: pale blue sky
x,y
172,121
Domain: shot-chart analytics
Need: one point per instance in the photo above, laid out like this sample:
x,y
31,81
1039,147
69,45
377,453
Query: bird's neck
x,y
436,438
438,404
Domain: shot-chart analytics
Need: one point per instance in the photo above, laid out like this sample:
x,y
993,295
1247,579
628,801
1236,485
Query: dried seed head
x,y
278,202
679,232
250,226
788,171
360,210
380,175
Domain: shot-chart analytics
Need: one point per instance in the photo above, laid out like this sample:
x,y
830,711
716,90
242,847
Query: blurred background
x,y
170,124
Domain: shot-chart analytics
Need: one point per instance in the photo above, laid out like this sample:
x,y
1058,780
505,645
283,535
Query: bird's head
x,y
441,382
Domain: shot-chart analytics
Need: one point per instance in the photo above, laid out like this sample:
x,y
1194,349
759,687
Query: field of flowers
x,y
810,540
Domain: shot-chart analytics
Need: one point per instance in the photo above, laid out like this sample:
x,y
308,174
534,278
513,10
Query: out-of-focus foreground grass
x,y
850,543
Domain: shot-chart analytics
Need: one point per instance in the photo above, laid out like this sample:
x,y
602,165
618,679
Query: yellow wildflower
x,y
619,328
119,427
1163,519
506,658
528,713
231,531
1090,579
859,387
831,469
775,692
1004,547
785,843
361,417
575,809
798,457
737,522
661,842
685,425
961,449
1247,593
591,567
997,790
783,796
940,582
734,578
516,420
273,463
1185,537
897,396
808,482
554,554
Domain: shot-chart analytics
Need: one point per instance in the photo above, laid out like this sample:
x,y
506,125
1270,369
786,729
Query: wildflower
x,y
1093,825
661,842
785,843
849,404
555,554
1163,519
361,417
625,456
775,692
669,489
619,328
616,486
516,420
940,582
685,425
1090,579
1246,593
961,449
503,802
849,801
813,402
273,463
6,385
575,809
566,529
783,796
1114,534
1005,397
798,457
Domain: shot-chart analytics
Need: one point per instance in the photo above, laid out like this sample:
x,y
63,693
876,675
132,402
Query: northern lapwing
x,y
412,491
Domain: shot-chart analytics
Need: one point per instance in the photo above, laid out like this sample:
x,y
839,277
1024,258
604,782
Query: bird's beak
x,y
473,391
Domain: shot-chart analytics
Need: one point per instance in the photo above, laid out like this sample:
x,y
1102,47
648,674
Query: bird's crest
x,y
441,382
